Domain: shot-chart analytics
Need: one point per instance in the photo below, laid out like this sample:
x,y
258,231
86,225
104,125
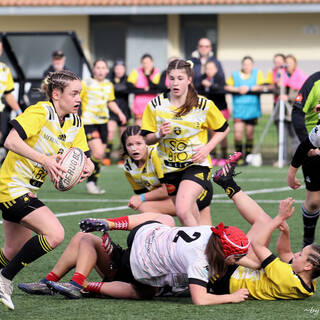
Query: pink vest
x,y
140,101
295,81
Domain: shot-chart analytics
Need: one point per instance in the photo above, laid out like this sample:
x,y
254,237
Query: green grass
x,y
113,180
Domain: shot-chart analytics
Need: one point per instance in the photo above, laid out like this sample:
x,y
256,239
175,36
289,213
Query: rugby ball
x,y
73,162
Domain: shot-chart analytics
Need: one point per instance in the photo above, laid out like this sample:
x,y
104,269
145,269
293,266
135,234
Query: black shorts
x,y
253,122
126,111
121,260
97,131
198,174
311,173
18,208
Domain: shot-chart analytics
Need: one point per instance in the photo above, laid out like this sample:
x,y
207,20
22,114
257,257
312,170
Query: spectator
x,y
292,79
212,87
245,86
57,64
146,77
119,78
164,78
199,58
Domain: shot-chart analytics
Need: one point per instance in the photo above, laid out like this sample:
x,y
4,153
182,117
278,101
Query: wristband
x,y
19,111
157,134
143,197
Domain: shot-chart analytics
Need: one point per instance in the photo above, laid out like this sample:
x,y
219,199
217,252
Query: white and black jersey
x,y
162,255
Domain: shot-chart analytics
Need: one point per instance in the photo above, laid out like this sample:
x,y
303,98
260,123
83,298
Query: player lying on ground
x,y
277,280
143,170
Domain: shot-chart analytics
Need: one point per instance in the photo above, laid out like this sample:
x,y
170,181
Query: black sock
x,y
238,146
96,171
249,147
109,150
3,260
309,225
31,251
227,183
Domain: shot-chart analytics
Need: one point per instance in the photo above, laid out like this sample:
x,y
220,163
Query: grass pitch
x,y
267,185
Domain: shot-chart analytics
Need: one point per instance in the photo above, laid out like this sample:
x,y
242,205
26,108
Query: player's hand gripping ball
x,y
73,161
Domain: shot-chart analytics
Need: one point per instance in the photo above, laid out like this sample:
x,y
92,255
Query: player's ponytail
x,y
215,256
192,95
130,131
57,80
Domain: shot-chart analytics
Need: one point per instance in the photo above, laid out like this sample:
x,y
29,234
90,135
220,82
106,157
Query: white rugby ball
x,y
73,162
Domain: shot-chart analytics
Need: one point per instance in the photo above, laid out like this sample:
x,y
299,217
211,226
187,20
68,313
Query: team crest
x,y
177,130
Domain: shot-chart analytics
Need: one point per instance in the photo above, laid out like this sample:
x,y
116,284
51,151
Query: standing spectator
x,y
212,87
245,86
6,89
121,90
199,58
145,77
290,79
304,117
57,64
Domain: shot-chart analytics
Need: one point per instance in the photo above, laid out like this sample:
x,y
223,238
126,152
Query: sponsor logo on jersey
x,y
177,130
199,176
62,137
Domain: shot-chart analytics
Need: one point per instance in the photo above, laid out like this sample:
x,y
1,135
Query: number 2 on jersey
x,y
186,237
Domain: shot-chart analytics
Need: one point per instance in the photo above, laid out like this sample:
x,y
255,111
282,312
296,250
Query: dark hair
x,y
192,95
247,58
146,55
57,80
130,131
215,256
280,55
99,60
314,259
57,54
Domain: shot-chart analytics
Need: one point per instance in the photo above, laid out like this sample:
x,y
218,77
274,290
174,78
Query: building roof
x,y
39,3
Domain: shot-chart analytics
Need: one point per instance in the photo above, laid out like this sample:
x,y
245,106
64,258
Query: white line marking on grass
x,y
85,200
256,200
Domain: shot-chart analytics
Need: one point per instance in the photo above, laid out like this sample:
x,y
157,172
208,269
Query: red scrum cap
x,y
233,240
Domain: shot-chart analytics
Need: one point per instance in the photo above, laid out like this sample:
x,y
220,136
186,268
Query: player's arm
x,y
200,296
12,102
283,243
265,229
16,144
112,105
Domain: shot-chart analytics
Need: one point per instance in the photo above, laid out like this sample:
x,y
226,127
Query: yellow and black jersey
x,y
189,131
95,96
148,176
6,82
40,128
276,280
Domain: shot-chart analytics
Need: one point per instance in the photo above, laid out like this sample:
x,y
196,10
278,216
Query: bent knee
x,y
55,237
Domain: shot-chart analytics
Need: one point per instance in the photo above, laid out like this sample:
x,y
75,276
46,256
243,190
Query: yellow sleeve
x,y
156,78
9,85
157,163
269,78
32,119
80,140
214,119
149,119
111,94
133,76
134,186
260,78
230,81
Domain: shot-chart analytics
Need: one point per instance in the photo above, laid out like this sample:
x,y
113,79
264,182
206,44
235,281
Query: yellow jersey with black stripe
x,y
275,280
40,128
188,132
6,82
95,96
148,176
